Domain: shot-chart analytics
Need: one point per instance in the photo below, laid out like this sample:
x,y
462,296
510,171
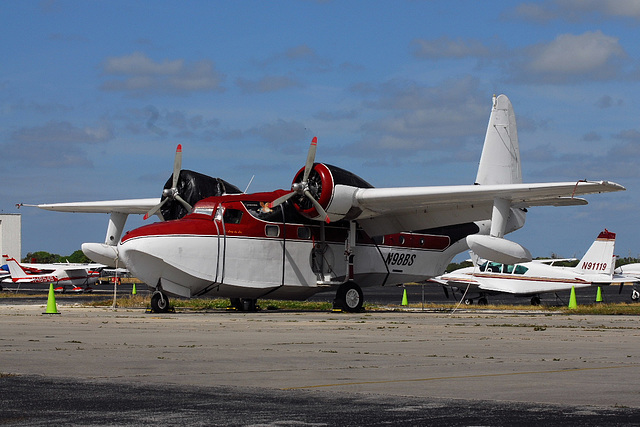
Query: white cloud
x,y
281,133
568,58
55,144
407,119
574,10
446,47
267,84
140,75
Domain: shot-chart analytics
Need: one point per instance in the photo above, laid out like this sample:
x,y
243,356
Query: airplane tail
x,y
500,159
500,165
599,257
16,271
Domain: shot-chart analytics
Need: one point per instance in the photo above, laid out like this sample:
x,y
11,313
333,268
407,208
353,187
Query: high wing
x,y
127,206
391,210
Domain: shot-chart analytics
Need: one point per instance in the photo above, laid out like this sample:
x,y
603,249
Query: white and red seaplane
x,y
331,230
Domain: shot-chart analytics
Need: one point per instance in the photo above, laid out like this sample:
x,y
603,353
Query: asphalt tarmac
x,y
90,366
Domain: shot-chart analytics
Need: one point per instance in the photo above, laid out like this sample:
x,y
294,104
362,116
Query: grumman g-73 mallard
x,y
332,230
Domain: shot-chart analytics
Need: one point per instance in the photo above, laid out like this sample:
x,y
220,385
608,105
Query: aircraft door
x,y
229,260
218,220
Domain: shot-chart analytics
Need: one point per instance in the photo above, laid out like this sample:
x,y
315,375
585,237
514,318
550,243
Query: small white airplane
x,y
537,277
332,230
634,271
62,276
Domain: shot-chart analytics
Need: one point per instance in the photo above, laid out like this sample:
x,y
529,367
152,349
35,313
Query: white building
x,y
10,235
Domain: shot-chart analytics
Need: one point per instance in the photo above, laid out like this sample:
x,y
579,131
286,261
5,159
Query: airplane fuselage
x,y
524,279
236,246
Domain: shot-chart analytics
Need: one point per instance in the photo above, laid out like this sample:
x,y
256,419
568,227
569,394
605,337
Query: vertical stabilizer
x,y
15,269
599,257
500,160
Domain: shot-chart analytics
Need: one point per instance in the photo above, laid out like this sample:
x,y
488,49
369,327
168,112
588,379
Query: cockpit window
x,y
261,210
203,211
232,216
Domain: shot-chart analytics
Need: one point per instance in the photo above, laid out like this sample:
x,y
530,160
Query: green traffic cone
x,y
599,295
572,298
404,298
133,292
52,308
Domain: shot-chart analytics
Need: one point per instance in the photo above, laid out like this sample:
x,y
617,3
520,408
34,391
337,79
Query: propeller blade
x,y
280,200
155,209
186,205
318,206
177,166
311,158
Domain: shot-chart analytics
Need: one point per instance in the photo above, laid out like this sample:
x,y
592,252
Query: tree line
x,y
42,257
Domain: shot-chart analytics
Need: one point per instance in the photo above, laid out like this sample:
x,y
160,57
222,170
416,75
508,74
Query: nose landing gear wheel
x,y
349,298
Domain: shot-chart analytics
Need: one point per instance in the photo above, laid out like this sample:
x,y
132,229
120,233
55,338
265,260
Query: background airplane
x,y
633,270
331,230
63,276
537,277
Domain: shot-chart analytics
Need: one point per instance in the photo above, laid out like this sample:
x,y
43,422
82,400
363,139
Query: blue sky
x,y
95,96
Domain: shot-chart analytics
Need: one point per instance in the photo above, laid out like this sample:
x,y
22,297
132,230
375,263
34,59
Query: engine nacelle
x,y
333,188
498,249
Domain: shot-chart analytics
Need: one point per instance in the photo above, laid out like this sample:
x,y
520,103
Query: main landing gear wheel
x,y
159,303
349,298
244,304
635,295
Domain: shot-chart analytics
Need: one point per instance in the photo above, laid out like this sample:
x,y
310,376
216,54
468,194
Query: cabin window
x,y
483,266
203,211
401,240
520,269
507,268
494,267
304,233
232,216
272,230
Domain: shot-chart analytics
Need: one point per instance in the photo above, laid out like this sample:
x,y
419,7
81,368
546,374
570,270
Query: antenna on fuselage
x,y
250,181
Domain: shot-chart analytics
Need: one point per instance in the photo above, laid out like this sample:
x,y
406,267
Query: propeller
x,y
302,188
171,193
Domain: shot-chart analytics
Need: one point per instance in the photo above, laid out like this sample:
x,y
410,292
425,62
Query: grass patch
x,y
135,301
140,301
596,309
143,300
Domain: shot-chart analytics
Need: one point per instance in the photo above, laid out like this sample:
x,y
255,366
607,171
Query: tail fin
x,y
599,257
500,160
16,271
